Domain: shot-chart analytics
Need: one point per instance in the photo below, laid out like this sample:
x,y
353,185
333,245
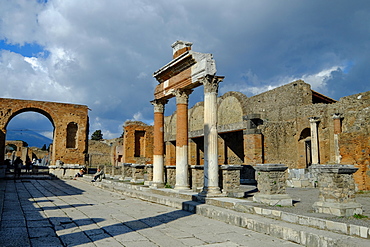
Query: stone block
x,y
274,200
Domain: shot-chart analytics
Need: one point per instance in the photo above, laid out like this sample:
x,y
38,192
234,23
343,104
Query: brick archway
x,y
62,116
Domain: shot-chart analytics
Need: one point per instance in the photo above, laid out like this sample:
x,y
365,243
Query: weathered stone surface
x,y
337,190
70,123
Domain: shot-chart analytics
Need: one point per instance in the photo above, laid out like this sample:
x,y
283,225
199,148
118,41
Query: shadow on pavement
x,y
24,222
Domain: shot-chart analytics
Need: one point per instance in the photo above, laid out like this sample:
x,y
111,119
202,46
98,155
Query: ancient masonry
x,y
70,124
290,125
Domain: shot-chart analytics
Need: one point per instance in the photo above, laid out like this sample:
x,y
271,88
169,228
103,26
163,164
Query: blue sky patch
x,y
26,50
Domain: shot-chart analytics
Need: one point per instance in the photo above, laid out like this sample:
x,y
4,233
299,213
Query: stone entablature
x,y
184,71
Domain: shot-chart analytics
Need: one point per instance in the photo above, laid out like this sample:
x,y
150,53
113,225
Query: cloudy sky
x,y
103,53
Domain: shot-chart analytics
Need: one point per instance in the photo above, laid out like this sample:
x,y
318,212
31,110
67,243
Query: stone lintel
x,y
230,167
340,169
252,116
200,167
139,166
270,167
274,200
251,131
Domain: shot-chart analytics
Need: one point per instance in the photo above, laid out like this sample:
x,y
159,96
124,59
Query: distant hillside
x,y
33,139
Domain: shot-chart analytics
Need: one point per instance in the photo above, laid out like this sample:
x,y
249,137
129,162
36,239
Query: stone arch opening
x,y
60,115
23,137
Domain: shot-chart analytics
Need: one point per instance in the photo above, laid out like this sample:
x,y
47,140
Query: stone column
x,y
182,167
337,130
158,150
211,169
314,140
337,190
271,179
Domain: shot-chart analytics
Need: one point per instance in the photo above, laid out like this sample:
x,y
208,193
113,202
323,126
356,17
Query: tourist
x,y
98,175
79,174
28,165
17,167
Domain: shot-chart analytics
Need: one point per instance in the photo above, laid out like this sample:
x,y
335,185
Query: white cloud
x,y
103,55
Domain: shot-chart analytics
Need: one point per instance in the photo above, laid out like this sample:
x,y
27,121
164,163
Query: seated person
x,y
79,174
98,175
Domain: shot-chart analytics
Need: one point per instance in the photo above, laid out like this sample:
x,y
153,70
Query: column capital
x,y
314,119
337,116
182,95
210,83
159,104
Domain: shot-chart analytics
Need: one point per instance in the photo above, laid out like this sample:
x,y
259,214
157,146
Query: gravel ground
x,y
304,198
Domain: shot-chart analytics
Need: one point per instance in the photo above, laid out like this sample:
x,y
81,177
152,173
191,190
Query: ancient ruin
x,y
70,124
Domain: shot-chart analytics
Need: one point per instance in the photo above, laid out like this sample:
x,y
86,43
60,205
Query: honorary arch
x,y
70,122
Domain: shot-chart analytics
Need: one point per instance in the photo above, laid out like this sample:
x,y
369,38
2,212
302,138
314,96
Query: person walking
x,y
17,167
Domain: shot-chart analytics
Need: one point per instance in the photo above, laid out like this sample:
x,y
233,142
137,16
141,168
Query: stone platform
x,y
298,223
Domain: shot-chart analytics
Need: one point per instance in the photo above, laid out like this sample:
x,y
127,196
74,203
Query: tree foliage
x,y
97,135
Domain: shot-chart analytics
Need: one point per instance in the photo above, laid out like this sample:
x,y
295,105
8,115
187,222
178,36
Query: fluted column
x,y
314,140
158,150
211,169
182,169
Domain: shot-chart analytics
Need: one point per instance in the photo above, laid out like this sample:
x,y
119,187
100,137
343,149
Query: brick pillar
x,y
314,140
337,190
211,169
337,130
158,150
182,169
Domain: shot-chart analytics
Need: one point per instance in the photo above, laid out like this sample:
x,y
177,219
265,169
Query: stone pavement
x,y
75,213
297,224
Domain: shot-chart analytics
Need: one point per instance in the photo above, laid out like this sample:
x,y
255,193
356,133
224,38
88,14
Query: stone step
x,y
303,230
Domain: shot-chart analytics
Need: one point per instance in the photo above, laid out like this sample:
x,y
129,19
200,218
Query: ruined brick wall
x,y
284,129
138,143
61,116
354,140
99,153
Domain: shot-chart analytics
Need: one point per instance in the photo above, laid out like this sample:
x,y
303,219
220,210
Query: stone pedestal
x,y
126,171
170,172
230,180
271,183
197,175
137,173
148,175
337,190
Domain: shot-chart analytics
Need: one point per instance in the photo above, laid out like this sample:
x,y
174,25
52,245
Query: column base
x,y
181,187
156,185
274,200
338,209
211,192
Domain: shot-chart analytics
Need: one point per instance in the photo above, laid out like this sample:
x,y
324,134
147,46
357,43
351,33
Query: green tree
x,y
44,147
97,135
